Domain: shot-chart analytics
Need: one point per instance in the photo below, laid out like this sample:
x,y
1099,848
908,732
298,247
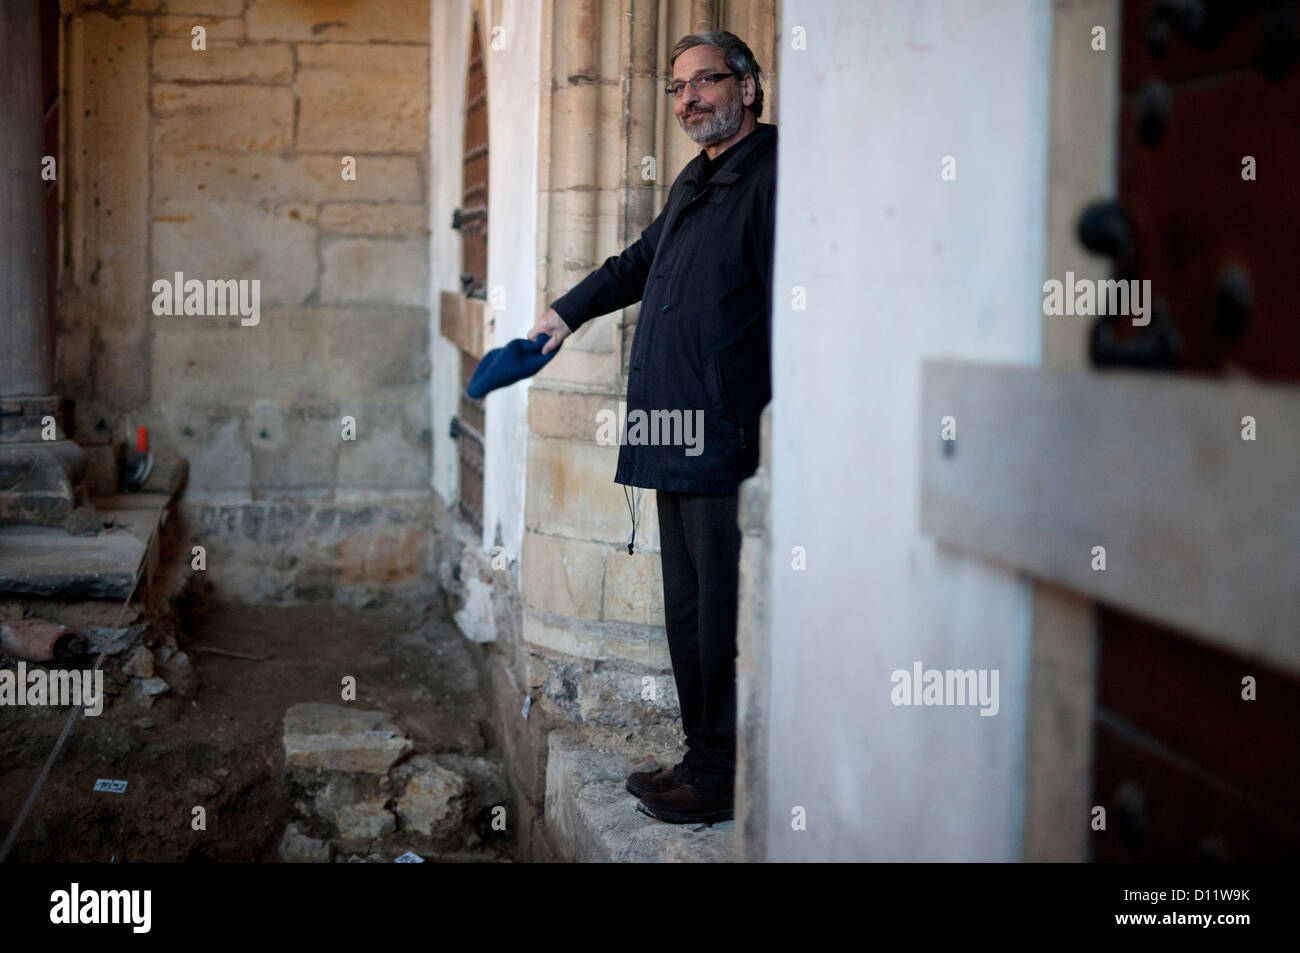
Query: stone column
x,y
39,467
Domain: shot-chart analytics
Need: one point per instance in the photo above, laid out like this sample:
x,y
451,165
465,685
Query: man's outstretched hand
x,y
552,324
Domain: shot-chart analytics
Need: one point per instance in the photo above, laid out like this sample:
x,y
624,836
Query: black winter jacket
x,y
703,274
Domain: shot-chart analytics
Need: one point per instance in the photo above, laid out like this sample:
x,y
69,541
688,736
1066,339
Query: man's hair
x,y
739,59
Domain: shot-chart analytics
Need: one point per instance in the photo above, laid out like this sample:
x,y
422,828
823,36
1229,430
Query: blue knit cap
x,y
504,365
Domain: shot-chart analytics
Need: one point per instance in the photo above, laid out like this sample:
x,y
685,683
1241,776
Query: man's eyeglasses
x,y
700,82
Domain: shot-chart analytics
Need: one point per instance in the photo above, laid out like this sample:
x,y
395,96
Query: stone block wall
x,y
228,163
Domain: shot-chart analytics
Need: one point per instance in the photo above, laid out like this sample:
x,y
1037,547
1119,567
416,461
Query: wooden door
x,y
1187,768
472,220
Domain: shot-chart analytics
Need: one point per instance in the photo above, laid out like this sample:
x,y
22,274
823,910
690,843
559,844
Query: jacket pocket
x,y
721,384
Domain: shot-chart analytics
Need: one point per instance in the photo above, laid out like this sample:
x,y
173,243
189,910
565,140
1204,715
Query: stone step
x,y
50,562
591,817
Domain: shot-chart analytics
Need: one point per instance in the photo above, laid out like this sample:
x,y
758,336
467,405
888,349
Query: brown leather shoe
x,y
688,804
642,783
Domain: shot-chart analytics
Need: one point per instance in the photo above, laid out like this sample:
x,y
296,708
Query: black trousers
x,y
699,538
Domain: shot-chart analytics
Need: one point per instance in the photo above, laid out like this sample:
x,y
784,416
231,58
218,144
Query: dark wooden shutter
x,y
473,221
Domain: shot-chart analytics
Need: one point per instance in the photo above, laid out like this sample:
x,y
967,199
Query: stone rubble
x,y
139,664
432,796
359,792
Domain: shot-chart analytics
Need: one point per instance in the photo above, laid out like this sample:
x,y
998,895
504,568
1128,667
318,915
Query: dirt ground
x,y
222,747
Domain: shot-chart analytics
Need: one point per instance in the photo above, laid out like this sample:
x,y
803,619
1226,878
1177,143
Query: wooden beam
x,y
469,323
1201,527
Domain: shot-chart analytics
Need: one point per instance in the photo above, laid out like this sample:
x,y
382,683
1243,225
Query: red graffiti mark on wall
x,y
910,41
955,15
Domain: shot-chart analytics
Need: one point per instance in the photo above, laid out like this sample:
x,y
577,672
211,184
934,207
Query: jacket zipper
x,y
669,232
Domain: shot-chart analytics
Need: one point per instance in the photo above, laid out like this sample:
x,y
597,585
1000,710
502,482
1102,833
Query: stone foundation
x,y
357,553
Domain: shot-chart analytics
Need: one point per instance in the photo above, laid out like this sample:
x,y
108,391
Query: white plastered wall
x,y
898,267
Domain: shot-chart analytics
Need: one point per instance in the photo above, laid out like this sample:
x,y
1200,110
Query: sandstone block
x,y
216,28
174,58
222,240
234,118
386,453
373,219
581,638
253,176
571,491
361,21
300,451
363,98
391,271
634,588
219,8
333,738
555,413
563,575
